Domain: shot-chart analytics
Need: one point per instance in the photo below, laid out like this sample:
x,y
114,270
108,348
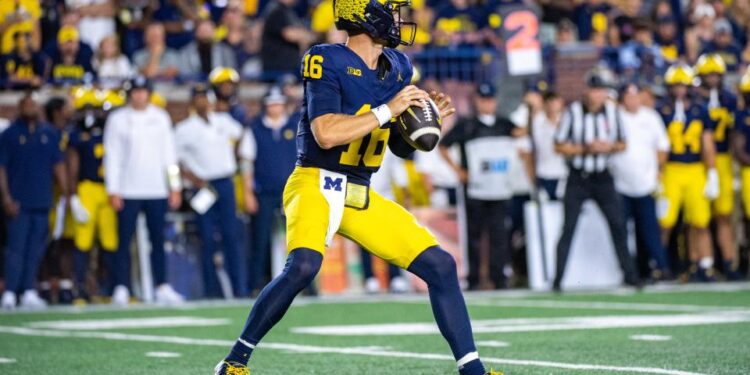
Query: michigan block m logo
x,y
331,184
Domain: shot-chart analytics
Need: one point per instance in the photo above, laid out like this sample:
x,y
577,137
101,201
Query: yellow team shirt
x,y
7,8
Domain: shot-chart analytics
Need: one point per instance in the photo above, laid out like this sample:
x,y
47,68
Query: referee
x,y
590,131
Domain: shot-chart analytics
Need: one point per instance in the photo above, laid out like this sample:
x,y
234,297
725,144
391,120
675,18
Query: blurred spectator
x,y
199,57
391,175
284,39
546,166
487,148
741,149
269,153
624,19
95,218
4,123
231,30
57,263
29,158
721,105
70,65
142,176
457,23
179,18
112,67
23,68
669,40
702,30
156,60
224,83
589,133
206,149
19,16
50,20
640,59
135,16
724,45
591,17
97,19
636,172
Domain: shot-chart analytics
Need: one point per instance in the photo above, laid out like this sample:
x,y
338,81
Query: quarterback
x,y
352,91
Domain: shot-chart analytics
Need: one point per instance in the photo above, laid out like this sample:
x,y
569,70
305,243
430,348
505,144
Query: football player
x,y
94,216
741,150
352,91
224,83
689,179
721,104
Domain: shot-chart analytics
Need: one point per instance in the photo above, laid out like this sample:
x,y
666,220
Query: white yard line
x,y
533,324
4,360
163,355
650,337
600,305
366,351
157,322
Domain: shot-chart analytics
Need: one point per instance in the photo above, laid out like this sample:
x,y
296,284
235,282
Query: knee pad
x,y
302,266
435,266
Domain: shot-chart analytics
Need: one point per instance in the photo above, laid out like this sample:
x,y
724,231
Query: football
x,y
420,127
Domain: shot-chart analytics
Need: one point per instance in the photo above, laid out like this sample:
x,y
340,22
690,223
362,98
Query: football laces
x,y
426,110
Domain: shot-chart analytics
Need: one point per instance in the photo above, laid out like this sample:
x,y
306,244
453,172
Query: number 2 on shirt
x,y
374,153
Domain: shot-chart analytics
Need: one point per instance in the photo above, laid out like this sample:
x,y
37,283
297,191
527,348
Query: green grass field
x,y
671,330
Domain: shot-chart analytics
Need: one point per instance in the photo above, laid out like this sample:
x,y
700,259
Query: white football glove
x,y
57,229
711,191
80,214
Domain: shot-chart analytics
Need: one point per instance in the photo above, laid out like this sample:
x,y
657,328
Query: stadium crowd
x,y
76,170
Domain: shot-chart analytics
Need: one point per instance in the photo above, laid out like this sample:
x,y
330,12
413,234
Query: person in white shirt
x,y
545,165
141,175
97,19
112,66
206,143
636,172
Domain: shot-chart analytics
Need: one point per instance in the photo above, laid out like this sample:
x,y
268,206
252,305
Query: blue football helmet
x,y
380,20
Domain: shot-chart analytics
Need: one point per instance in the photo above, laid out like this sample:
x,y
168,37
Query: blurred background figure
x,y
112,66
546,166
95,218
636,172
30,159
24,68
268,152
390,177
487,148
721,105
202,55
224,84
70,62
206,143
96,19
284,39
156,60
142,176
690,180
589,133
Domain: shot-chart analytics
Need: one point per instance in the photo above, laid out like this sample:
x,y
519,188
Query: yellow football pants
x,y
683,190
102,218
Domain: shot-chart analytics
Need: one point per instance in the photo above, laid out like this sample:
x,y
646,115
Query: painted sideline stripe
x,y
493,344
367,351
163,355
597,305
4,360
159,322
650,337
532,324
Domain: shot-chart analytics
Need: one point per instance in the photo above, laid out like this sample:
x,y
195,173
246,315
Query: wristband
x,y
383,114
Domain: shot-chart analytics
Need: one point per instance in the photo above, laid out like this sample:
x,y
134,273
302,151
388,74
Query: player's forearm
x,y
62,178
74,163
568,149
4,191
445,154
709,151
335,130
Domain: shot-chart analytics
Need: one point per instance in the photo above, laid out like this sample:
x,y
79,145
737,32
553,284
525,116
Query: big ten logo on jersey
x,y
313,66
495,166
332,184
353,71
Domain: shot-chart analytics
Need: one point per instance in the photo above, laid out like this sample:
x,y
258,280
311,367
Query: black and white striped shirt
x,y
580,127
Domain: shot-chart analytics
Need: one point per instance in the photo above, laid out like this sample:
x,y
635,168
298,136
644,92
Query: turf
x,y
702,348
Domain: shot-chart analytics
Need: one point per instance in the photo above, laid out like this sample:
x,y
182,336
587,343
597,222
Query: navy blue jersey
x,y
29,159
685,133
89,144
721,118
337,81
742,125
276,154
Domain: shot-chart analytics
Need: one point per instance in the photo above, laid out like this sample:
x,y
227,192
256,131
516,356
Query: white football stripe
x,y
423,131
493,344
334,350
163,355
7,360
533,324
650,337
599,305
160,322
